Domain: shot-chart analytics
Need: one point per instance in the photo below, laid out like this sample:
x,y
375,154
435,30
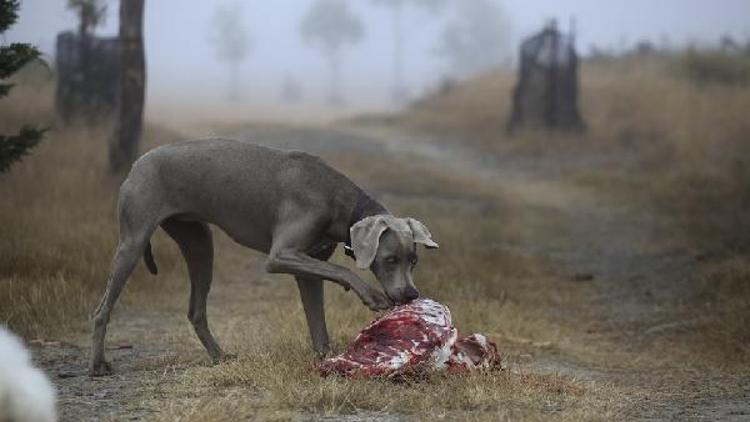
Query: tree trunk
x,y
129,119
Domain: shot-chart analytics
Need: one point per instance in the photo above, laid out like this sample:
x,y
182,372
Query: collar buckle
x,y
349,251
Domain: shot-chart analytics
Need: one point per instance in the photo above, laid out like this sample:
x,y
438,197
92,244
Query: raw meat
x,y
411,339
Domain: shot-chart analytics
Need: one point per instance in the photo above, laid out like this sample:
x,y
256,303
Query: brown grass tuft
x,y
57,223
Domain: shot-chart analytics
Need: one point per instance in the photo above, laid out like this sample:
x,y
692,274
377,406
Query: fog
x,y
184,75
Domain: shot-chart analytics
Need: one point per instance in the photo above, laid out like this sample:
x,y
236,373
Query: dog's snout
x,y
410,294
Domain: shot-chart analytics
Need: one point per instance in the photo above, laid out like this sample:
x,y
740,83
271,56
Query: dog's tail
x,y
148,258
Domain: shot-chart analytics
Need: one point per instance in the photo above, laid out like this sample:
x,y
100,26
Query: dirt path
x,y
601,241
616,249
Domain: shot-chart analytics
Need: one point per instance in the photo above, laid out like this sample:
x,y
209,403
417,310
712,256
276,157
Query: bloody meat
x,y
414,338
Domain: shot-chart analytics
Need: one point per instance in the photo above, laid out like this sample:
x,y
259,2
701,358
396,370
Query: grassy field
x,y
58,227
566,360
59,231
665,137
685,137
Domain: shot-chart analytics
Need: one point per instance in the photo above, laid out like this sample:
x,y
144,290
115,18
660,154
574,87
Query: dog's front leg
x,y
311,293
297,263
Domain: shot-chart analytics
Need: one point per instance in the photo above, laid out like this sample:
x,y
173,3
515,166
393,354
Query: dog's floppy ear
x,y
365,236
421,234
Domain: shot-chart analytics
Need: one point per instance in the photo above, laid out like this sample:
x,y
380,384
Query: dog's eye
x,y
391,259
414,260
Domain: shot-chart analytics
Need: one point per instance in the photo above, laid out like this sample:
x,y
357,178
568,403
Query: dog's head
x,y
387,245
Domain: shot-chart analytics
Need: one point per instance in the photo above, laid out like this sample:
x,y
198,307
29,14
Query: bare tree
x,y
129,119
232,43
329,25
91,13
399,90
477,38
86,66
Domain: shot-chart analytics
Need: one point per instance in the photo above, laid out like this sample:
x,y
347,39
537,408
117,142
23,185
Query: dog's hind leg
x,y
195,242
129,250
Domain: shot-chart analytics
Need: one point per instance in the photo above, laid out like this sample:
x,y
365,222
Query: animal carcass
x,y
412,339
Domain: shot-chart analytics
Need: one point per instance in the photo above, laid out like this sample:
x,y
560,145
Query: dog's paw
x,y
100,369
376,300
323,352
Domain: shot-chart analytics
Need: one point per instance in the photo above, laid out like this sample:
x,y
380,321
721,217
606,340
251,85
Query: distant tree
x,y
91,13
85,67
398,90
12,58
129,119
329,25
477,38
232,43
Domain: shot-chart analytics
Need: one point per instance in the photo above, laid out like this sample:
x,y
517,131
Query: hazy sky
x,y
180,58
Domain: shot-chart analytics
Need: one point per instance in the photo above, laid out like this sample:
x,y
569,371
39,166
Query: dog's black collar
x,y
358,212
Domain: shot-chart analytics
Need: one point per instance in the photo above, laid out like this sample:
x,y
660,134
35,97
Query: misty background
x,y
591,202
182,57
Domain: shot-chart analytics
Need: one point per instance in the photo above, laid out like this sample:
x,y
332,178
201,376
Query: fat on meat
x,y
412,339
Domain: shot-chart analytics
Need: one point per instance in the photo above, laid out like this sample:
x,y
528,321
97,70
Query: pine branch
x,y
8,13
13,148
12,58
15,56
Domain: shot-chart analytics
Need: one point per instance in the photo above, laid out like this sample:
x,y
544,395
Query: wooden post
x,y
129,118
546,94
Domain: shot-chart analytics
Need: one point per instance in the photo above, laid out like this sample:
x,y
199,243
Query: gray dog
x,y
289,205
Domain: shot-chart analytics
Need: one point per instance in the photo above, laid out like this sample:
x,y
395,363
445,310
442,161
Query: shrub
x,y
715,67
12,58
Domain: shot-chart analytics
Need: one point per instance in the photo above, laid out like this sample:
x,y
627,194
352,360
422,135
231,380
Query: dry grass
x,y
488,289
681,141
57,225
658,142
58,231
719,316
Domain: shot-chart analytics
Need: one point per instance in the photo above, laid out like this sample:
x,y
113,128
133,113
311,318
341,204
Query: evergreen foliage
x,y
12,58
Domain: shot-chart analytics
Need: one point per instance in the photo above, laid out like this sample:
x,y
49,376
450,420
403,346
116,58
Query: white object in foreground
x,y
26,395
